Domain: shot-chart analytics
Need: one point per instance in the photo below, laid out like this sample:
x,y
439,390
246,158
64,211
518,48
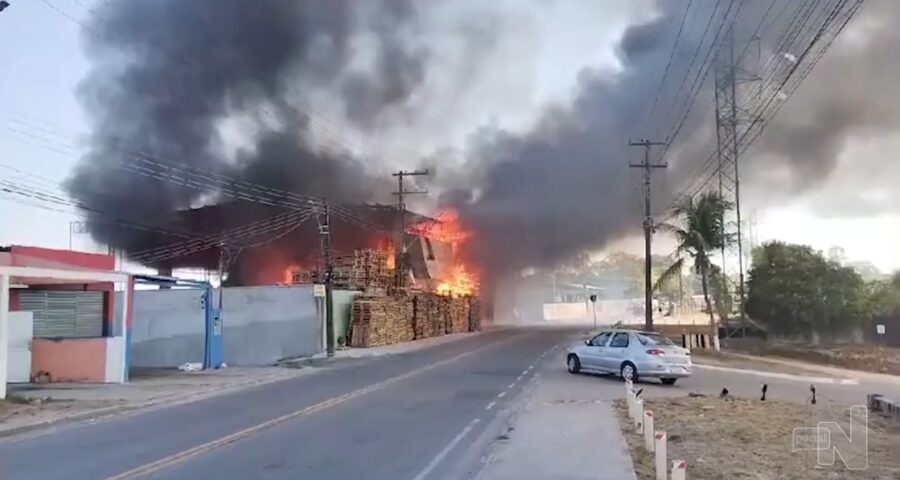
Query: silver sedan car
x,y
630,354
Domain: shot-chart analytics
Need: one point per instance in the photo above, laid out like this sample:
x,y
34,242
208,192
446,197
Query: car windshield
x,y
653,339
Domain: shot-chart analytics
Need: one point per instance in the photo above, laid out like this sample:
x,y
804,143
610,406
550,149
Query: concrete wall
x,y
70,359
261,326
266,324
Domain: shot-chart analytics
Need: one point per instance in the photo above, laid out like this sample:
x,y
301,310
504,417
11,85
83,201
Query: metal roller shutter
x,y
61,313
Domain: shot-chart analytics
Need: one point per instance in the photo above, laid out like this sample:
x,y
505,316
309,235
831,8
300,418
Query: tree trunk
x,y
704,280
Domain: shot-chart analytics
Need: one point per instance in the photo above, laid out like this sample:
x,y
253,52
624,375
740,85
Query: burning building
x,y
253,244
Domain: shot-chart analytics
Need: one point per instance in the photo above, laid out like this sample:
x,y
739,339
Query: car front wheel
x,y
573,364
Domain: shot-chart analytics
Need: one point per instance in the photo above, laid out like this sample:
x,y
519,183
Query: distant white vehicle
x,y
630,354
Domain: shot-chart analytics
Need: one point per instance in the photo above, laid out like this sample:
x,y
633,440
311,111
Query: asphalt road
x,y
423,415
420,415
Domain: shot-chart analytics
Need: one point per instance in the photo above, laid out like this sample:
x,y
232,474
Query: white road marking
x,y
513,384
446,451
501,394
520,376
490,405
784,376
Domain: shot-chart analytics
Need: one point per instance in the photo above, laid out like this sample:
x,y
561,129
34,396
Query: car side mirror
x,y
588,342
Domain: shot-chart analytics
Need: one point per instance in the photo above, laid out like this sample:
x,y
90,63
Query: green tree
x,y
795,291
699,233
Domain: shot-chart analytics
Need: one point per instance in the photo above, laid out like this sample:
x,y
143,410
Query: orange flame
x,y
288,275
458,278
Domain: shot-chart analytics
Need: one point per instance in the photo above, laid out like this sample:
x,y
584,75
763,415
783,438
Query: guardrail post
x,y
648,430
679,470
638,415
661,470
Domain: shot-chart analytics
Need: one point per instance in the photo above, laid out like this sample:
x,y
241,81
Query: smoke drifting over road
x,y
177,78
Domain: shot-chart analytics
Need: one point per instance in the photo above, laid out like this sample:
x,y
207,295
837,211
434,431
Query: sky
x,y
41,123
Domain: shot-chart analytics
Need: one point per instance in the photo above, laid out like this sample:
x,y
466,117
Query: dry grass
x,y
748,439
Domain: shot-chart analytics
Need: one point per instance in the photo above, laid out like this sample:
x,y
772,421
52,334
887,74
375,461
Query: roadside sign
x,y
879,329
318,290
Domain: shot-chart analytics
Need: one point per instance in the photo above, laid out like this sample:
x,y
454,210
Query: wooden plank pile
x,y
361,270
427,320
459,315
306,277
474,314
381,321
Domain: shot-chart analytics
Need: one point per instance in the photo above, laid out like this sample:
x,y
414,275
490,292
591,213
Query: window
x,y
620,340
653,339
600,340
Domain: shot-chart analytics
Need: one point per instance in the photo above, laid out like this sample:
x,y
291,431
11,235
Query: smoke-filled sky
x,y
523,110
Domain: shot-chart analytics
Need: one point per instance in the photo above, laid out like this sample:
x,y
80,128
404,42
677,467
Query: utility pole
x,y
324,220
400,253
648,227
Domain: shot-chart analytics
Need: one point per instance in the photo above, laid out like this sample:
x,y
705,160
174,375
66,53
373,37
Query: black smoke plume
x,y
166,73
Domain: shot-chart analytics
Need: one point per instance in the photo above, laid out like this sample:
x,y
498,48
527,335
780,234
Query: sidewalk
x,y
566,429
29,406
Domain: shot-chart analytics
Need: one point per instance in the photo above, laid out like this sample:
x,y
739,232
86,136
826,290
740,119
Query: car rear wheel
x,y
573,363
668,381
629,372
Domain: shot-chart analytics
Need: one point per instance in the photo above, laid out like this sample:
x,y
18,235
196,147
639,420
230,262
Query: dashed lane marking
x,y
446,451
190,453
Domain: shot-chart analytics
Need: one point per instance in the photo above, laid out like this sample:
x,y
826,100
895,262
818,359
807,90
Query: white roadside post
x,y
661,473
679,470
638,414
629,398
648,430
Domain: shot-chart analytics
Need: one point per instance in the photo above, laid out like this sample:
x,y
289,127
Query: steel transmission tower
x,y
737,89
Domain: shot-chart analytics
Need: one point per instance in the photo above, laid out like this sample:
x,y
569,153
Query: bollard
x,y
648,430
679,470
661,473
629,398
638,415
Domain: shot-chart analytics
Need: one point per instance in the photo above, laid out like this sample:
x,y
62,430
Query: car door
x,y
594,351
616,352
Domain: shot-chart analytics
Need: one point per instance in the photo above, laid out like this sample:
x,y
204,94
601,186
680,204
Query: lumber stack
x,y
427,320
361,270
381,321
306,277
459,314
474,314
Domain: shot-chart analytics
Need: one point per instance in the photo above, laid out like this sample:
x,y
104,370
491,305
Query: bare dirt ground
x,y
748,439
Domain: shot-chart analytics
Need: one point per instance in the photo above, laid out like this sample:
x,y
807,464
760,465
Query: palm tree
x,y
699,231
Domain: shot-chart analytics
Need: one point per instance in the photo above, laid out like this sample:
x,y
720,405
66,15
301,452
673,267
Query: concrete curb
x,y
106,413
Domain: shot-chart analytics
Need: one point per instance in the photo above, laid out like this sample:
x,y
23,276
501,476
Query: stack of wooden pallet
x,y
306,276
459,315
427,320
363,269
381,321
474,314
